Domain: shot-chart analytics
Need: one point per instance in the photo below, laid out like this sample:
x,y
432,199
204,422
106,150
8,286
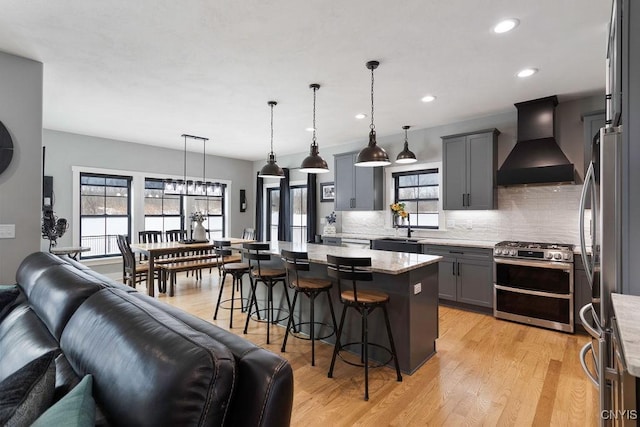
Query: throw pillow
x,y
76,408
28,392
8,295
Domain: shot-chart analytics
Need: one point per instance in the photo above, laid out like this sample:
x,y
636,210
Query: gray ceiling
x,y
147,71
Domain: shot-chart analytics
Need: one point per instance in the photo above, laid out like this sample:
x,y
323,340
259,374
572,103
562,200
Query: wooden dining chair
x,y
132,271
249,234
175,235
149,236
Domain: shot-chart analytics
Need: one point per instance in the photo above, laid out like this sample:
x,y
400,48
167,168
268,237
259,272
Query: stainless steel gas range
x,y
533,284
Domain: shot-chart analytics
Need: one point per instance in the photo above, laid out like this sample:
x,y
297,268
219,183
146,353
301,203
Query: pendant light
x,y
372,155
191,188
314,163
406,155
271,169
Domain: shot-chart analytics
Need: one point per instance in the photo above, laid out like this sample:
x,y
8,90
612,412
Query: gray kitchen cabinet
x,y
357,188
469,168
465,275
581,288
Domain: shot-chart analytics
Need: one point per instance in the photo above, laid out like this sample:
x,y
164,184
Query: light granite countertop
x,y
422,240
627,312
381,261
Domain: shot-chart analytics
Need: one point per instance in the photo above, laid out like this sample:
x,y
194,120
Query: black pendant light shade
x,y
372,155
314,163
406,155
271,169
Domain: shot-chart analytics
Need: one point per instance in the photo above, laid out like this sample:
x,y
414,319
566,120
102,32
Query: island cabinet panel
x,y
357,188
465,274
469,167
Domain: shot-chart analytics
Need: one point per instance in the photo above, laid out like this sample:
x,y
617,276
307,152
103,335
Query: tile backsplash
x,y
529,213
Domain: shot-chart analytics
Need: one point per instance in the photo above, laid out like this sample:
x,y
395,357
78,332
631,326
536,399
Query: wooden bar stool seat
x,y
222,250
257,254
351,271
296,262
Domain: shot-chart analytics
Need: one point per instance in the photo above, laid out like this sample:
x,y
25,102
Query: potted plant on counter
x,y
330,228
399,214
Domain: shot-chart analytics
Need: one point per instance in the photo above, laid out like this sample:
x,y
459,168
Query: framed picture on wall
x,y
327,192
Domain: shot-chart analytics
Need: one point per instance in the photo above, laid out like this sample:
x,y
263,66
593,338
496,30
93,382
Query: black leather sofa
x,y
152,364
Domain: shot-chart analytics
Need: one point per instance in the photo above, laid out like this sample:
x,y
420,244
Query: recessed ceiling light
x,y
527,72
428,98
360,116
309,129
505,26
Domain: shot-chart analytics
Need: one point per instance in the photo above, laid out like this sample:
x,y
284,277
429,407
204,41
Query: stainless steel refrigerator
x,y
603,188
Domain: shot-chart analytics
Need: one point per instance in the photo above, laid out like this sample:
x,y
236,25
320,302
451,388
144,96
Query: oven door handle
x,y
583,354
530,292
531,263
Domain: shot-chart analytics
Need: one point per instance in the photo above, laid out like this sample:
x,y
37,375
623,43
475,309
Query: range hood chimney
x,y
536,158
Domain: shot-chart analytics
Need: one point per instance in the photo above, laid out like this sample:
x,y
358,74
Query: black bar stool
x,y
353,270
295,262
257,252
235,269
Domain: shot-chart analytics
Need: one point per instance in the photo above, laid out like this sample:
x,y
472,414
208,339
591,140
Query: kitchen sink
x,y
400,239
397,244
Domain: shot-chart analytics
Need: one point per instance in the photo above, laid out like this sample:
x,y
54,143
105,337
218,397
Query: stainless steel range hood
x,y
536,157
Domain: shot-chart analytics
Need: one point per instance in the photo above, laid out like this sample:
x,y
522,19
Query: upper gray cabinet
x,y
469,166
357,188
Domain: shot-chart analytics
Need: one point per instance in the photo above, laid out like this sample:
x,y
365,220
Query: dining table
x,y
160,249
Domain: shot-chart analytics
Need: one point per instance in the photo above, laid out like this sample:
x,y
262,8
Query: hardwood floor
x,y
486,372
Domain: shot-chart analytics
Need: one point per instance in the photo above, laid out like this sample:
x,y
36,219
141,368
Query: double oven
x,y
534,284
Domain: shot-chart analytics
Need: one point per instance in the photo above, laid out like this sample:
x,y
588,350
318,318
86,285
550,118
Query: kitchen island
x,y
411,280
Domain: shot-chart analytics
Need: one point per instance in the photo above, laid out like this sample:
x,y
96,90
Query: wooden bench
x,y
171,267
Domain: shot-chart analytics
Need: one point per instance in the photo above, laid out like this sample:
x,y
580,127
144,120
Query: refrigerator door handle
x,y
583,354
586,188
595,333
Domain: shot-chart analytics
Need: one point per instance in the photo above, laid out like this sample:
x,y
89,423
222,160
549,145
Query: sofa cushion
x,y
264,384
149,369
32,267
75,409
23,338
10,297
58,292
28,392
104,280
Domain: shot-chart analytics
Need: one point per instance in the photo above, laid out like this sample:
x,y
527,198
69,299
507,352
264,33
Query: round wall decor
x,y
6,148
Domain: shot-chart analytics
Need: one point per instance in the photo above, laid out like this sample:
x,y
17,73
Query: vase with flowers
x,y
199,232
330,228
399,214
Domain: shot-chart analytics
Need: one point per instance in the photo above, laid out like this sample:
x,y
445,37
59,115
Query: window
x,y
273,210
213,207
299,213
104,212
420,192
162,211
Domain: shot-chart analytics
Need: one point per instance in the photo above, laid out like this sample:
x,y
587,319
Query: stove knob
x,y
498,251
567,257
513,252
548,255
557,256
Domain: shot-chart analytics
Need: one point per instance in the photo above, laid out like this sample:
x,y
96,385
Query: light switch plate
x,y
417,288
451,223
7,231
469,224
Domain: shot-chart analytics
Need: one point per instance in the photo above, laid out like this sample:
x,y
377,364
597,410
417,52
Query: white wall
x,y
65,151
21,113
